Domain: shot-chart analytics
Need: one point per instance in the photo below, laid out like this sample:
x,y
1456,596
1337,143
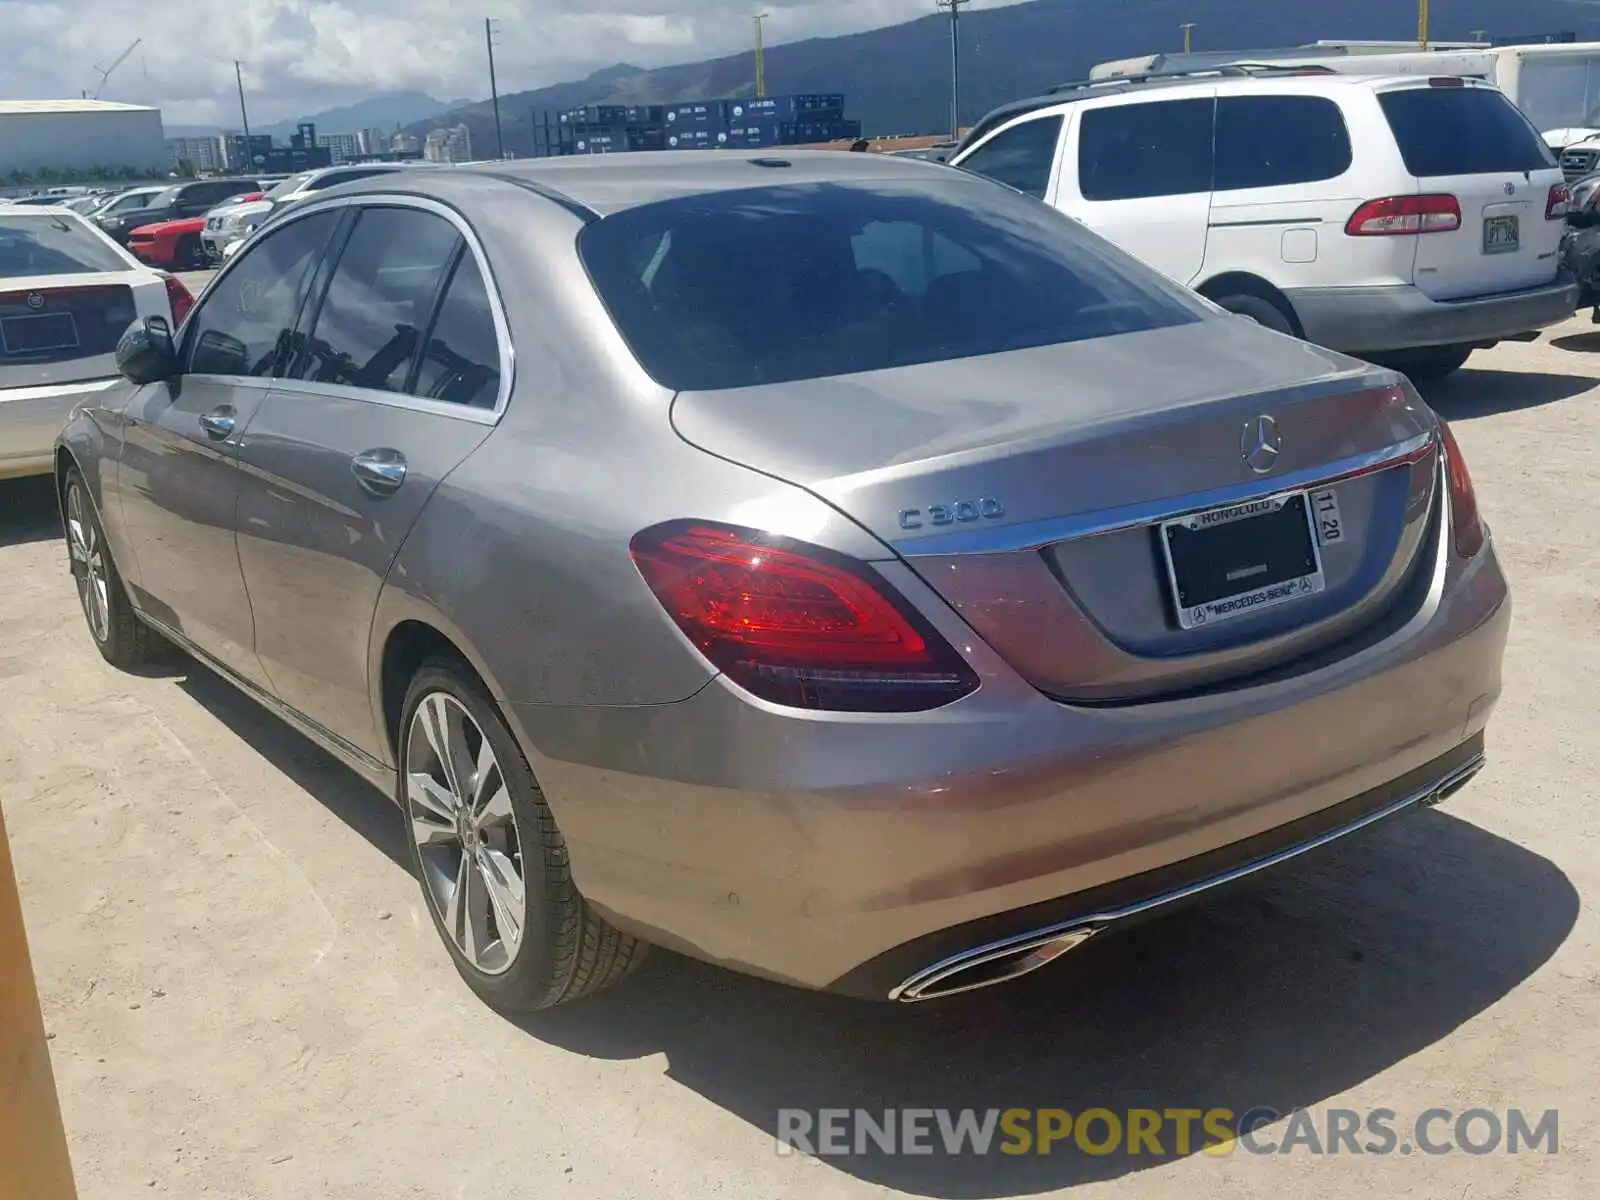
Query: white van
x,y
1403,219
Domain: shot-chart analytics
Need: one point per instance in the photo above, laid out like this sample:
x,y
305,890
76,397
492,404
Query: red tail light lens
x,y
1468,525
1396,216
796,624
180,297
1559,204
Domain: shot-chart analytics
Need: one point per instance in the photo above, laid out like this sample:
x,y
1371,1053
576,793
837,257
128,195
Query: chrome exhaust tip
x,y
1453,783
989,965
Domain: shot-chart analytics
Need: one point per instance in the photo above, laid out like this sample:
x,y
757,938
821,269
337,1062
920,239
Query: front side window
x,y
1151,148
379,299
1020,157
245,323
773,284
1275,141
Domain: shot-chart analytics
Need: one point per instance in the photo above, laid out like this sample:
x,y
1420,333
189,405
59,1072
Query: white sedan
x,y
67,294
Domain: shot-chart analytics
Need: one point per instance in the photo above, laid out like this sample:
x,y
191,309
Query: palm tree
x,y
100,174
130,172
47,175
20,178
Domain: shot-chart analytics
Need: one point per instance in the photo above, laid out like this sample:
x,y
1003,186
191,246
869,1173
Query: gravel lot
x,y
247,1000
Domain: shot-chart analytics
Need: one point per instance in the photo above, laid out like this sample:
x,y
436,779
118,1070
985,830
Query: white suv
x,y
1404,219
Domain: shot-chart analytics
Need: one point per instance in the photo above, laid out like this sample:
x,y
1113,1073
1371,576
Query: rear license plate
x,y
32,335
1501,235
1227,562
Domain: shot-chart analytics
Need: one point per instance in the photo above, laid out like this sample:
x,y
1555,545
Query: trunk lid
x,y
1024,486
65,328
1470,142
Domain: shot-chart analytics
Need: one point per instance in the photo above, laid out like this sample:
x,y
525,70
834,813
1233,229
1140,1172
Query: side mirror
x,y
145,353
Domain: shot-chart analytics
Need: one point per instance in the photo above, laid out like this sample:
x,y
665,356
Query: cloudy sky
x,y
305,55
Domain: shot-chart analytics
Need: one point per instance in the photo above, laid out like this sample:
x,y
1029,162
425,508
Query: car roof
x,y
601,184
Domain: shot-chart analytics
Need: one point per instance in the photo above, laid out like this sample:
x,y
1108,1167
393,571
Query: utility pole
x,y
244,114
954,8
1422,23
761,57
1480,35
1188,41
494,91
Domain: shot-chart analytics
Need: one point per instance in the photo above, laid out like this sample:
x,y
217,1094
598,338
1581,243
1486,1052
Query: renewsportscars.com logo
x,y
1169,1132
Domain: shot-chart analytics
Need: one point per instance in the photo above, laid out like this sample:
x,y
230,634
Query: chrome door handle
x,y
381,472
218,423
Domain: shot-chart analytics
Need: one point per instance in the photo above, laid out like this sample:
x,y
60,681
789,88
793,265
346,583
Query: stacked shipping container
x,y
700,125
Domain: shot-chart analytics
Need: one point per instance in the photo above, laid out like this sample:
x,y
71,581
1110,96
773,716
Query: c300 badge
x,y
985,508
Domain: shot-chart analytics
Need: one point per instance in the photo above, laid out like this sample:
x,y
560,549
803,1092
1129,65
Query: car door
x,y
178,477
1139,173
401,373
1021,155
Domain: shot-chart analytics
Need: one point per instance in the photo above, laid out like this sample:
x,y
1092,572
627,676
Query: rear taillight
x,y
1559,204
1468,525
180,297
1394,216
796,624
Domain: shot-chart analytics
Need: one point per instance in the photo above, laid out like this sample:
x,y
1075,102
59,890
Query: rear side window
x,y
1160,148
50,245
1019,157
1462,131
769,285
461,361
1273,141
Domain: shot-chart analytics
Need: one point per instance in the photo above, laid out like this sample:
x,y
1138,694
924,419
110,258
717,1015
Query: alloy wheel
x,y
88,564
466,833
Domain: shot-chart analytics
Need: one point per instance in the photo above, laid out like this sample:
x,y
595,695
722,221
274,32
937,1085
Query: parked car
x,y
229,228
1402,219
125,203
837,567
193,199
67,293
176,245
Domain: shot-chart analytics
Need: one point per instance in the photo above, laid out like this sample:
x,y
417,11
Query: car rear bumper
x,y
1367,319
854,852
30,419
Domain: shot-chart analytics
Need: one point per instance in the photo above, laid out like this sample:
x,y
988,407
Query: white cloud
x,y
305,55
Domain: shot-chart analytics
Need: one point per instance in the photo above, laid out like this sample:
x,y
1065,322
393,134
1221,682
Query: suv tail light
x,y
796,624
180,297
1467,523
1395,216
1559,204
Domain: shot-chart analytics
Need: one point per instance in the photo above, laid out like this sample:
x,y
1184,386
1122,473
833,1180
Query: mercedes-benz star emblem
x,y
1261,444
35,301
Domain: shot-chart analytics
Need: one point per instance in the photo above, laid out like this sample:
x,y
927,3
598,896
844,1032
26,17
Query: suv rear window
x,y
769,285
1462,131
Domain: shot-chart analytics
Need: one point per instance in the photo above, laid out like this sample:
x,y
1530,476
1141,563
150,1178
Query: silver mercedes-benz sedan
x,y
833,566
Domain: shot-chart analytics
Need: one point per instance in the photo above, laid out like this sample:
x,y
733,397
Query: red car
x,y
175,245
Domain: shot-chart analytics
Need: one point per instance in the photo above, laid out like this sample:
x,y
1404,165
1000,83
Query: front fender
x,y
92,442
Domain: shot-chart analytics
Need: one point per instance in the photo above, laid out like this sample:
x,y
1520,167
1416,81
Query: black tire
x,y
566,949
190,255
122,638
1429,364
1259,309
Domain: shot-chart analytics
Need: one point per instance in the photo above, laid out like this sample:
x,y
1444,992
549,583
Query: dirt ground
x,y
246,999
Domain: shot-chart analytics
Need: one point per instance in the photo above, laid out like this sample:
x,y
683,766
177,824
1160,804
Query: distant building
x,y
240,156
201,153
376,141
448,145
80,135
342,147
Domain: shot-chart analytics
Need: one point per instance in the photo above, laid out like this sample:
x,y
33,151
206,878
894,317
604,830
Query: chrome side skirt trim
x,y
1016,956
1035,535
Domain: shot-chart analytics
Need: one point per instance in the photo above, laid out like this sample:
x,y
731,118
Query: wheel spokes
x,y
504,885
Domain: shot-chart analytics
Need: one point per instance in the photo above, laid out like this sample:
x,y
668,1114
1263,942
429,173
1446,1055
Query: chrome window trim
x,y
502,326
1036,535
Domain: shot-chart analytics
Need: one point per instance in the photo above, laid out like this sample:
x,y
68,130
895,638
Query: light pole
x,y
1188,42
954,8
244,115
494,91
1422,23
761,56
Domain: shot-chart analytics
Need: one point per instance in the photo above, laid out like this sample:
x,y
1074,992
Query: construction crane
x,y
117,62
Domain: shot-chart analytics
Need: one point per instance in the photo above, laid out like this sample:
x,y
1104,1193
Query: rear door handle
x,y
381,472
219,422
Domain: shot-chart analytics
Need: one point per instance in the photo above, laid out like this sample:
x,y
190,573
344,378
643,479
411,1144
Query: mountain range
x,y
386,110
897,79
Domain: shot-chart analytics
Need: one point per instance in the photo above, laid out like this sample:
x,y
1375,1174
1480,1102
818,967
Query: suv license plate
x,y
1501,235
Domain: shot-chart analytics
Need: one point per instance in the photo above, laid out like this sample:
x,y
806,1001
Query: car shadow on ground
x,y
28,511
1473,393
1282,994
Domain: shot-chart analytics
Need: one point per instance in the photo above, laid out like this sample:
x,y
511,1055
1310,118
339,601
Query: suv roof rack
x,y
1245,70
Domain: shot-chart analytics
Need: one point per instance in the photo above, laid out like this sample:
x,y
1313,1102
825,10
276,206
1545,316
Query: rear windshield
x,y
773,284
51,245
1462,131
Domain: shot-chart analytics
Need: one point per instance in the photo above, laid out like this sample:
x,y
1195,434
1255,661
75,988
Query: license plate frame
x,y
11,327
1301,581
1498,244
